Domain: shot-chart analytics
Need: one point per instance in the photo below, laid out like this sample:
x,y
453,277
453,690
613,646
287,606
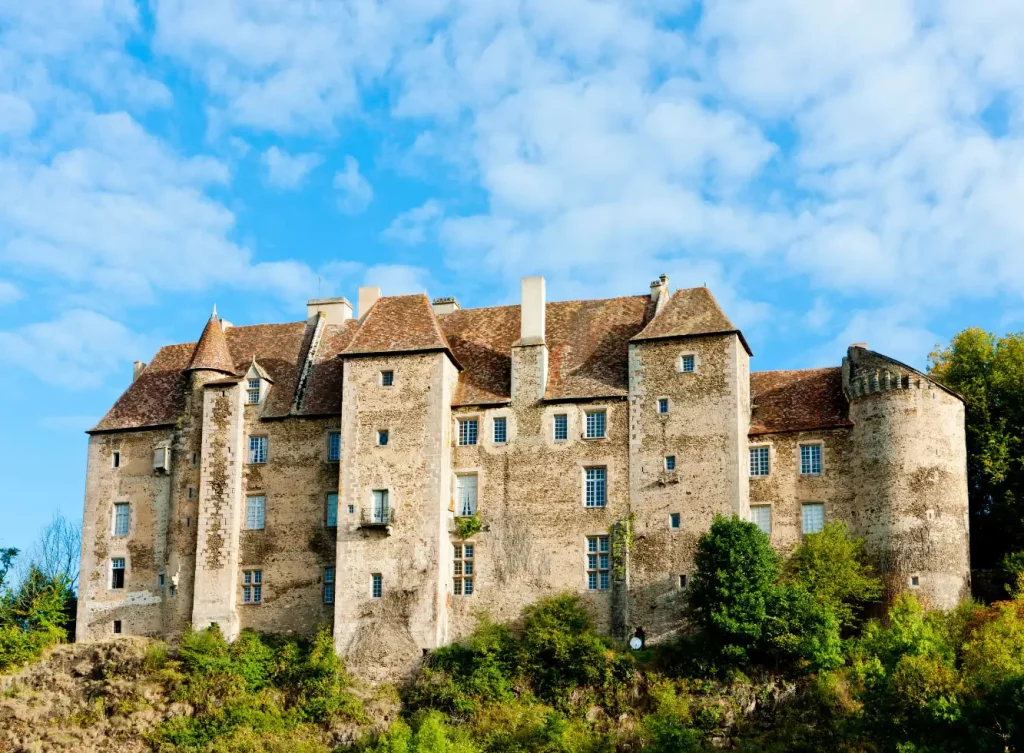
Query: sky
x,y
835,172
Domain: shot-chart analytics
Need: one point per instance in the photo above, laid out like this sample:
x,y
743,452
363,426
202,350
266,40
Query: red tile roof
x,y
798,400
398,324
689,312
211,352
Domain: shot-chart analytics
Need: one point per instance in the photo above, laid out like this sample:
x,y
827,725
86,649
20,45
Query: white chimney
x,y
367,297
335,310
445,305
659,293
531,312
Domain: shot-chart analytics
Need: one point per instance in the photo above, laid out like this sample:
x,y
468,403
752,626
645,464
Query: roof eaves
x,y
739,333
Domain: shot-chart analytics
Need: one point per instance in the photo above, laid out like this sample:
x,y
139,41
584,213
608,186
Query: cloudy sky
x,y
835,171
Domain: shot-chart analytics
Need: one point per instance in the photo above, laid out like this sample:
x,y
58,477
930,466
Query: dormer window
x,y
253,397
257,383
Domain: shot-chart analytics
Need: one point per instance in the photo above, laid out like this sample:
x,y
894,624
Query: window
x,y
595,424
382,437
117,627
257,449
759,461
191,492
663,405
332,509
380,506
328,585
253,392
117,572
195,459
598,563
673,520
255,513
465,494
387,378
252,586
334,446
561,427
121,519
682,581
813,517
761,516
915,581
670,462
462,584
810,459
467,431
596,492
500,430
687,364
376,585
351,509
161,580
115,459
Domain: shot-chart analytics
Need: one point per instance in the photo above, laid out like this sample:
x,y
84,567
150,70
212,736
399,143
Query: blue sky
x,y
834,172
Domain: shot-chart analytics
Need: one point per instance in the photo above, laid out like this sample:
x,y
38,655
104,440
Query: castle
x,y
397,473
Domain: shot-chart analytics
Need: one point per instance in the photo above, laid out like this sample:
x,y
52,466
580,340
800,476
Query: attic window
x,y
253,392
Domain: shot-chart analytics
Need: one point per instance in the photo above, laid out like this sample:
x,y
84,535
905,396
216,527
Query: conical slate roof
x,y
211,352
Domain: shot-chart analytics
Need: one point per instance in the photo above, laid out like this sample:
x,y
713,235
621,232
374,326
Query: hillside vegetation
x,y
779,659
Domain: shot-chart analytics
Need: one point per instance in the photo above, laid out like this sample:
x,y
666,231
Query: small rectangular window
x,y
687,364
115,459
121,518
813,517
670,462
328,585
161,580
376,585
381,506
252,586
253,392
682,581
257,449
332,509
382,437
117,627
255,512
761,516
663,405
117,572
595,424
810,459
674,520
195,459
387,378
467,431
598,563
500,430
596,492
465,494
334,446
561,427
191,492
463,570
759,459
915,581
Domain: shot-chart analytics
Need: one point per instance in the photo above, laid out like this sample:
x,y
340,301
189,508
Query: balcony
x,y
376,518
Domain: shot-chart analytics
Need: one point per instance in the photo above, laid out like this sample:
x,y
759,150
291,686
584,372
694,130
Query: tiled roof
x,y
481,340
157,397
322,393
211,352
398,324
693,311
798,400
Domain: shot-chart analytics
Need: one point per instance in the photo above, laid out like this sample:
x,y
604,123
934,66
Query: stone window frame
x,y
475,416
670,460
592,410
799,463
824,518
245,510
688,354
663,414
494,429
568,425
771,458
461,580
330,578
376,585
115,459
113,519
248,449
253,385
595,464
123,559
389,499
384,434
478,472
252,578
327,508
601,574
771,516
915,576
327,445
383,381
675,521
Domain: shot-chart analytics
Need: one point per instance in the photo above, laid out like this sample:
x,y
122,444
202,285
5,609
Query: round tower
x,y
910,476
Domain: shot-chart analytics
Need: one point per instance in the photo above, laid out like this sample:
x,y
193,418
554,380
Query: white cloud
x,y
77,350
895,330
397,279
286,171
69,423
9,292
412,227
354,192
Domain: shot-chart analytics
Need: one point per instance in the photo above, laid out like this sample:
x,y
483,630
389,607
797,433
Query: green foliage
x,y
832,566
32,617
467,526
668,729
7,556
989,373
430,734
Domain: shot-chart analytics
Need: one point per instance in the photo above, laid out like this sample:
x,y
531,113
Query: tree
x,y
58,552
989,373
6,560
832,566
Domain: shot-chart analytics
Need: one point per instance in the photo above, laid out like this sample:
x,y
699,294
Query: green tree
x,y
832,566
6,561
989,372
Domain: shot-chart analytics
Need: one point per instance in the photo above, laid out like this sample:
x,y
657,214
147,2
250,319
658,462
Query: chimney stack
x,y
659,293
532,312
335,310
137,368
445,305
367,297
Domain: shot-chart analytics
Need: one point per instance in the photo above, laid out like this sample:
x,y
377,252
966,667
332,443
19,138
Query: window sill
x,y
595,439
